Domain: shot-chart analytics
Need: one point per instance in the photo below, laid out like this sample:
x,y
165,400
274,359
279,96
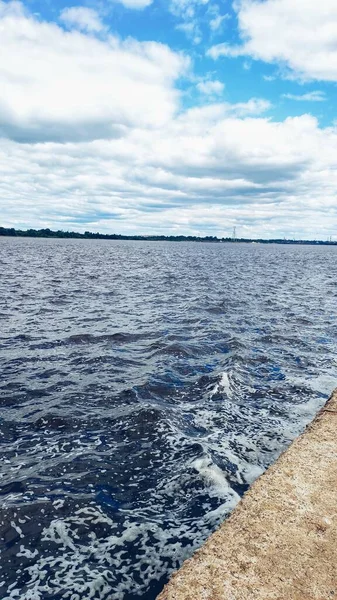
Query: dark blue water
x,y
144,386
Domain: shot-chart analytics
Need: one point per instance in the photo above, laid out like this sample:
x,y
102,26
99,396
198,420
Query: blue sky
x,y
189,116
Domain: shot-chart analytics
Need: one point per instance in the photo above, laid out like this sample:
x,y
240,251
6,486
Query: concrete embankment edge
x,y
280,543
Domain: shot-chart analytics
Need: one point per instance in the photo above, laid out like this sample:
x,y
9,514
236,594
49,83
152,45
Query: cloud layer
x,y
59,86
136,4
94,135
315,96
205,171
85,19
299,35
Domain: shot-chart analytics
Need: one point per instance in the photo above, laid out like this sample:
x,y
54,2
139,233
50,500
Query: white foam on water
x,y
251,472
17,529
302,413
216,480
27,553
78,562
80,566
57,504
226,444
223,385
324,383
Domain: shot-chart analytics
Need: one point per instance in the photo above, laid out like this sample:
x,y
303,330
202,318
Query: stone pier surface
x,y
280,543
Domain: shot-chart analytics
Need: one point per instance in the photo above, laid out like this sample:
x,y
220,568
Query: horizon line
x,y
61,234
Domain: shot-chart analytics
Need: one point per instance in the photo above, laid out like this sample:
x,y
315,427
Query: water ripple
x,y
144,386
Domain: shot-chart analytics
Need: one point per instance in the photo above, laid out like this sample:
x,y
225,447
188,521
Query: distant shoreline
x,y
88,235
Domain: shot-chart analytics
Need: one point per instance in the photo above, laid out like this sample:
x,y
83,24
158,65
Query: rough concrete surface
x,y
280,543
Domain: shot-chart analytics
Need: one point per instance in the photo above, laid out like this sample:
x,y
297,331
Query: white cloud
x,y
205,170
186,8
216,23
213,113
186,11
216,18
225,49
85,19
210,87
12,9
94,137
190,28
316,96
300,35
58,85
136,4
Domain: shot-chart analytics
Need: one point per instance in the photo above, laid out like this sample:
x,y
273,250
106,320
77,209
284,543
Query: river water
x,y
144,386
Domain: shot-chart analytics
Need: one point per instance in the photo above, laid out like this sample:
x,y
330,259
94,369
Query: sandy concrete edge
x,y
280,542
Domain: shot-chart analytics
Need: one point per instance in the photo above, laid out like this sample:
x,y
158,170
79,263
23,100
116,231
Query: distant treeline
x,y
48,233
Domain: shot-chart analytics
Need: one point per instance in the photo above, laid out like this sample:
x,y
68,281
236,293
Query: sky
x,y
183,117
